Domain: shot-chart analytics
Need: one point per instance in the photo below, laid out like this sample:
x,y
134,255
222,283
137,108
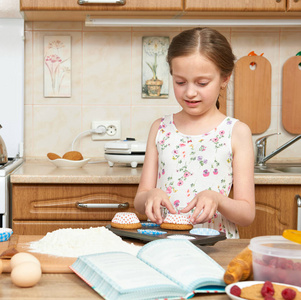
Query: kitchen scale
x,y
128,151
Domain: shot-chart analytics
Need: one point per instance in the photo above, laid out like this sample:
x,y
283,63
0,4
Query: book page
x,y
125,273
183,263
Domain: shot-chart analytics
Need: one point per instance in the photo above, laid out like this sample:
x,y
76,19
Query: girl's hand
x,y
206,205
155,199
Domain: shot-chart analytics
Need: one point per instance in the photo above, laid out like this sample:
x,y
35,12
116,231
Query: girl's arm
x,y
241,209
148,198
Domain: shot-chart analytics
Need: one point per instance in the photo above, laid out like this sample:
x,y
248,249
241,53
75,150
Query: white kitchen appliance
x,y
128,151
11,107
5,190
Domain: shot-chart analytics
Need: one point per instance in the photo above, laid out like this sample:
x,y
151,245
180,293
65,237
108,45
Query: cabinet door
x,y
234,5
276,210
130,5
293,5
70,10
38,209
61,202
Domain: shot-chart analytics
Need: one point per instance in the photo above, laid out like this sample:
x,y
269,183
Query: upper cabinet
x,y
293,5
103,5
235,6
71,10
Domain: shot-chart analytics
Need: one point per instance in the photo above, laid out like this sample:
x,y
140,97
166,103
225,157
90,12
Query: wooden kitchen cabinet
x,y
41,208
130,5
70,10
293,5
276,210
234,5
254,9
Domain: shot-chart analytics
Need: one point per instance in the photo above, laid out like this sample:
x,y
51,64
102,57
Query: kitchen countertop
x,y
70,286
43,171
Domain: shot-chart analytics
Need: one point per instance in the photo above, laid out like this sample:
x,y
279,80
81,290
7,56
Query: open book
x,y
164,268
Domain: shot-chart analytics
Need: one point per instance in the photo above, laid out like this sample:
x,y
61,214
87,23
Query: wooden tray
x,y
197,239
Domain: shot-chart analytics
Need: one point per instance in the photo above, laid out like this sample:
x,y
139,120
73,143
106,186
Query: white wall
x,y
12,84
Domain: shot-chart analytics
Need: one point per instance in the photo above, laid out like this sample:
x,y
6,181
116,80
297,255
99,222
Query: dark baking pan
x,y
170,234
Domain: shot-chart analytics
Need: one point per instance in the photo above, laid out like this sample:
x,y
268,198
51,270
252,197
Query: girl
x,y
193,156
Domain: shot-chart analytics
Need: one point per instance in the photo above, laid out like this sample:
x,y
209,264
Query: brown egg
x,y
22,257
26,274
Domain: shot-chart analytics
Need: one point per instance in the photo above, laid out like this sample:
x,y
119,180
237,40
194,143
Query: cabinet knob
x,y
102,205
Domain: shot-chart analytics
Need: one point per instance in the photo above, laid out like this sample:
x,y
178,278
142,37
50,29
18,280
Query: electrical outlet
x,y
113,130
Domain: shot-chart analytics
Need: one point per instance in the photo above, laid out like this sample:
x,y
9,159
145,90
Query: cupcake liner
x,y
149,224
151,232
5,234
204,231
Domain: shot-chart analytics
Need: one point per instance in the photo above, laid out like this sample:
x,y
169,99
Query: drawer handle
x,y
121,2
298,199
102,205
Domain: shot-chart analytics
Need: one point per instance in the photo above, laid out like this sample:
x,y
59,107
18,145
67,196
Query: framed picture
x,y
57,66
155,69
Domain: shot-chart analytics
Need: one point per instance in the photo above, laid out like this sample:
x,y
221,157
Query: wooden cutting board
x,y
291,95
252,92
49,264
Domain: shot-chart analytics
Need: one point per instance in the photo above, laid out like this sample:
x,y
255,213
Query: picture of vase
x,y
57,66
155,70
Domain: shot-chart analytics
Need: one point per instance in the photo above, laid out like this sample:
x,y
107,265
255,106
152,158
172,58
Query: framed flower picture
x,y
155,69
57,66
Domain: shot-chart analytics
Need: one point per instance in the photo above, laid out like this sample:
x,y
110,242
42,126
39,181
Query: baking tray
x,y
208,240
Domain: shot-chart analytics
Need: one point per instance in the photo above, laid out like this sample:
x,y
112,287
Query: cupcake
x,y
126,220
176,222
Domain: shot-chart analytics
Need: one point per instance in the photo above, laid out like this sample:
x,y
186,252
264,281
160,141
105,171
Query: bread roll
x,y
73,155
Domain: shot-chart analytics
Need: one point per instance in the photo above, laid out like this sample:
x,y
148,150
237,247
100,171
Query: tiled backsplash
x,y
106,84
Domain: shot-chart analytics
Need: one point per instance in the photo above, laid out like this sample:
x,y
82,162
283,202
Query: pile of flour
x,y
76,242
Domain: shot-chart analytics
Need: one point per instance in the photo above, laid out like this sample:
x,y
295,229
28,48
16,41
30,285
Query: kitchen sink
x,y
259,170
278,168
289,169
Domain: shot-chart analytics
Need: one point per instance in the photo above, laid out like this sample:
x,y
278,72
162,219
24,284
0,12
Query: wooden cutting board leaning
x,y
252,94
291,95
49,263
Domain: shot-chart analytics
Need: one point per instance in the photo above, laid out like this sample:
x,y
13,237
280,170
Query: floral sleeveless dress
x,y
188,165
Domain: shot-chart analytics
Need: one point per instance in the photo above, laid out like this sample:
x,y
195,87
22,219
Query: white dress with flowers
x,y
188,165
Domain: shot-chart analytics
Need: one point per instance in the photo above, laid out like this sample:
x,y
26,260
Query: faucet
x,y
260,143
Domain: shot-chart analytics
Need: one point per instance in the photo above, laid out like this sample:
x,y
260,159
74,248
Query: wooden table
x,y
71,287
